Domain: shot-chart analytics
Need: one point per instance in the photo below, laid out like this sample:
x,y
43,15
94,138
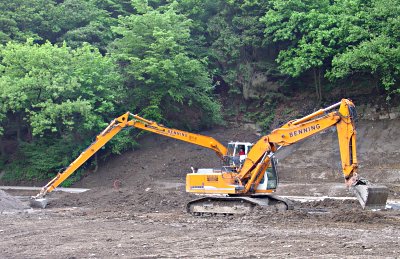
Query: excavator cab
x,y
270,180
237,153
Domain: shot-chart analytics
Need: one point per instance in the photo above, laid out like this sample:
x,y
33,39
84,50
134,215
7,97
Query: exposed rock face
x,y
258,85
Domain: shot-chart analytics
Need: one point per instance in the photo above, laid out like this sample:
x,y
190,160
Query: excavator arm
x,y
106,135
113,129
343,118
297,130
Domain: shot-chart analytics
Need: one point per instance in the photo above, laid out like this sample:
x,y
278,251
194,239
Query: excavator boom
x,y
109,132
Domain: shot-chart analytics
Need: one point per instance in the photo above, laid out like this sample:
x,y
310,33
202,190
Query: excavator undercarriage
x,y
235,205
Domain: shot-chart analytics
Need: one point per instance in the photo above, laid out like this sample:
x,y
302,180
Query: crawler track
x,y
235,205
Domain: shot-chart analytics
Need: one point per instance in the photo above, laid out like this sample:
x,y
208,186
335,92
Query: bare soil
x,y
136,209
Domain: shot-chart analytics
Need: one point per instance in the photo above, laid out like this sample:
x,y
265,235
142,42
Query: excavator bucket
x,y
371,196
38,202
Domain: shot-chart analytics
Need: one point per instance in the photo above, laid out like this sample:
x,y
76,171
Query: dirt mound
x,y
125,200
331,203
328,211
326,215
9,203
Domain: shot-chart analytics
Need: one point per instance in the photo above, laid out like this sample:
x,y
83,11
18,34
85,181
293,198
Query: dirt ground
x,y
135,209
86,232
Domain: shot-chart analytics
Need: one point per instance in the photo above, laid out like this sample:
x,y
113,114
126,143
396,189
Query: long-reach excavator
x,y
248,175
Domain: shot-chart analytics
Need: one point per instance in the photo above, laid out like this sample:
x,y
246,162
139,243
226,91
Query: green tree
x,y
53,95
50,85
377,56
20,19
329,38
230,34
308,34
165,81
73,21
80,21
115,7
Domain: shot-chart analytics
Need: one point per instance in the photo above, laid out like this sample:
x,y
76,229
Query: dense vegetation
x,y
69,67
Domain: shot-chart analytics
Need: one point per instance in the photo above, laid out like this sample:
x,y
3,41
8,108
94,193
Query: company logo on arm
x,y
305,130
177,133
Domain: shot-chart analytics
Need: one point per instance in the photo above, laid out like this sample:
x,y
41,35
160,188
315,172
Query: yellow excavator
x,y
248,176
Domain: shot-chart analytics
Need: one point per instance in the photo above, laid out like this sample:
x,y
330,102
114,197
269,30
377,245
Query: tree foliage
x,y
378,53
230,34
163,77
21,19
80,21
74,21
54,93
342,38
57,89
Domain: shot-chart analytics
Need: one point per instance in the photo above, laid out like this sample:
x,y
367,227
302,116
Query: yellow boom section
x,y
137,122
106,135
197,139
258,158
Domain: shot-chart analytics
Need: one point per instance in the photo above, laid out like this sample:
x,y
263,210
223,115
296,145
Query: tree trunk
x,y
29,136
2,149
19,127
96,166
317,84
376,83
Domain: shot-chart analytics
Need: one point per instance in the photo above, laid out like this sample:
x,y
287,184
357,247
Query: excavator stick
x,y
370,196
